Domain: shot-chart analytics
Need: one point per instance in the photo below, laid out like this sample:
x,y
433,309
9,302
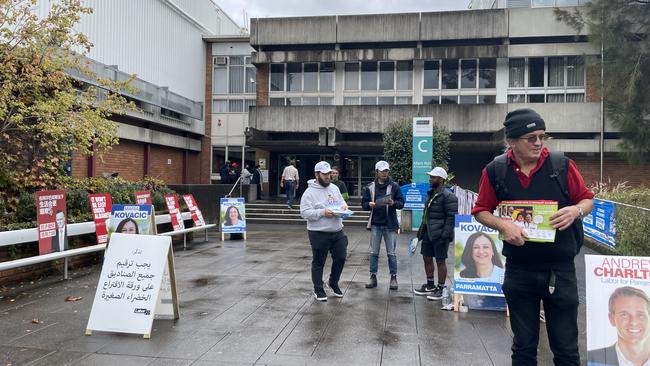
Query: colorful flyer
x,y
600,224
174,209
233,215
618,310
132,219
532,216
197,216
101,205
51,218
143,198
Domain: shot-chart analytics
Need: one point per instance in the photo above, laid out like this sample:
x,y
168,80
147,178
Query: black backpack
x,y
498,168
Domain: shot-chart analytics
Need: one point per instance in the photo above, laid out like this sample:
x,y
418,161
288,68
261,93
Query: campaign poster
x,y
233,215
143,198
600,224
132,219
100,205
415,195
174,209
618,309
197,216
532,216
479,266
51,218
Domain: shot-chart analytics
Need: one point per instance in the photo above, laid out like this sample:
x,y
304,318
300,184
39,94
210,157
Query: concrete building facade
x,y
327,87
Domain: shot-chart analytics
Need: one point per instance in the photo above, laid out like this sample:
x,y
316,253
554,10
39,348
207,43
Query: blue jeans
x,y
290,187
390,238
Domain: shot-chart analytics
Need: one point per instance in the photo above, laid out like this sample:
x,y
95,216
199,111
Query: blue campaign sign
x,y
600,224
415,195
233,215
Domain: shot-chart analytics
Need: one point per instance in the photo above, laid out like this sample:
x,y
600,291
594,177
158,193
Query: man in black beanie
x,y
537,272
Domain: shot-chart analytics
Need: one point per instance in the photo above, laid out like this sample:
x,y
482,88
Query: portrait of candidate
x,y
233,217
60,238
629,313
127,226
481,259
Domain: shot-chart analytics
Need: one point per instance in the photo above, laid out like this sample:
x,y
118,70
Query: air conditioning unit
x,y
221,60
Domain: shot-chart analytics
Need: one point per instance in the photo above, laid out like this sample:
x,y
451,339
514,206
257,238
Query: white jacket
x,y
313,203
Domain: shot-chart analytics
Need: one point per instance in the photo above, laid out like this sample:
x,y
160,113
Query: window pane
x,y
403,100
386,100
352,76
487,73
566,2
351,101
535,72
326,101
467,99
468,74
516,72
368,76
368,100
326,76
236,106
276,102
449,99
575,71
294,82
542,3
516,98
311,77
575,98
450,74
536,98
487,99
236,84
277,77
220,80
556,71
294,101
555,98
248,103
431,74
219,106
250,79
404,75
387,75
430,99
310,101
218,158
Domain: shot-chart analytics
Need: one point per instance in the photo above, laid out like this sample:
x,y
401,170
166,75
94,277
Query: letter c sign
x,y
422,149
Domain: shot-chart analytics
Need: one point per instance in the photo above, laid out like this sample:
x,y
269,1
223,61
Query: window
x,y
220,80
403,100
236,75
516,98
386,75
251,74
430,99
487,99
487,73
555,98
326,76
450,74
575,71
516,72
536,98
219,106
326,101
236,106
351,101
276,102
352,76
368,76
575,98
294,76
294,101
542,3
386,100
449,99
536,72
310,77
368,100
467,99
277,77
404,75
310,101
248,103
556,71
431,74
468,74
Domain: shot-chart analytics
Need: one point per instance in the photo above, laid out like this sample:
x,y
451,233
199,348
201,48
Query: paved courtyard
x,y
250,303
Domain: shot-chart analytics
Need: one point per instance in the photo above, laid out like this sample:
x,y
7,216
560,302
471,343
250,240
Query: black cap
x,y
523,121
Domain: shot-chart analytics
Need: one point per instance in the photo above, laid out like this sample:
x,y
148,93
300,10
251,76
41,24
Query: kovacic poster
x,y
618,310
132,219
233,215
51,218
101,206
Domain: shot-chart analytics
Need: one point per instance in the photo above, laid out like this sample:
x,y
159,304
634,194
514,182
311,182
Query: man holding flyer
x,y
537,271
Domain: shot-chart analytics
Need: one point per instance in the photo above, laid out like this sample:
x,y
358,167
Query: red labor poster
x,y
51,219
197,216
174,212
101,204
142,198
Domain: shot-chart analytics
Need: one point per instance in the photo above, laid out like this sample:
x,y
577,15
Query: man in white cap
x,y
382,198
436,232
319,205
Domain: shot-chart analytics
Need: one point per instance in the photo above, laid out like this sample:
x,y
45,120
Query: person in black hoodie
x,y
383,198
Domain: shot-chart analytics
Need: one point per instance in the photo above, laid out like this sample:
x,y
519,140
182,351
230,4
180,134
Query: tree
x,y
398,148
45,115
622,28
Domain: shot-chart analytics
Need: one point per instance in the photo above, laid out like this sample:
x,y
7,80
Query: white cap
x,y
438,172
382,165
323,167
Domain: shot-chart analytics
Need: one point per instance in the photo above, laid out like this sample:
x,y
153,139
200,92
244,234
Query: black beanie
x,y
522,121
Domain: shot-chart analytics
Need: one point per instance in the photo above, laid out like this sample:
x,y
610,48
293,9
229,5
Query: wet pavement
x,y
250,303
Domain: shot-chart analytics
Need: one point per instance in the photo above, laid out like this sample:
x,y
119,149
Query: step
x,y
301,221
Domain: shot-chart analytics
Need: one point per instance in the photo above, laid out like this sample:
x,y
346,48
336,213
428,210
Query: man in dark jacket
x,y
383,198
436,231
257,179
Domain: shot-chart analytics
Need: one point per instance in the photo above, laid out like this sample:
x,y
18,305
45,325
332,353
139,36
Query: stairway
x,y
278,213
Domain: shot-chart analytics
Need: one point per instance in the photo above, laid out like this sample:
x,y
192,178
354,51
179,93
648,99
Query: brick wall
x,y
126,158
615,170
592,83
79,165
160,168
194,173
262,81
202,175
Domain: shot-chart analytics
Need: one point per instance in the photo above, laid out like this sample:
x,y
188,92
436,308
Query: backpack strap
x,y
496,171
559,165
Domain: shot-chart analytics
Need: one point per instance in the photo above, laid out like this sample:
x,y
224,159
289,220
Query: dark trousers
x,y
523,290
336,243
